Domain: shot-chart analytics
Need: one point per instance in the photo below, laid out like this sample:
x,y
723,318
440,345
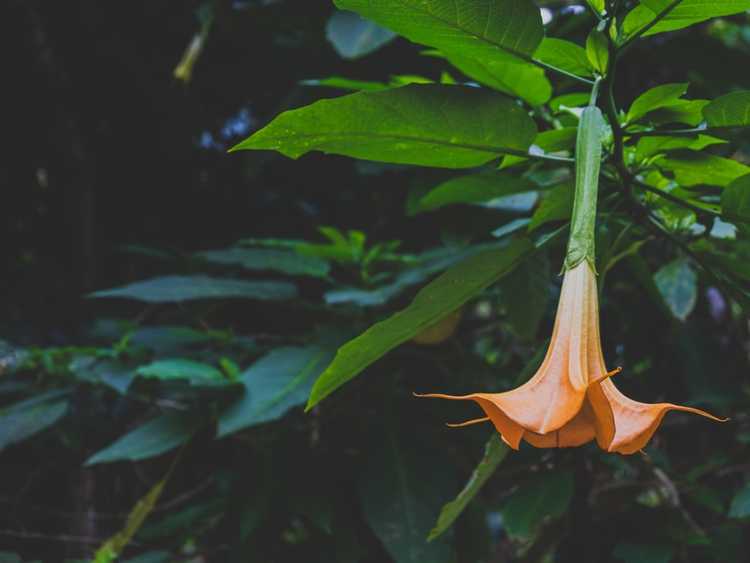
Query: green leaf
x,y
482,30
181,368
689,12
494,453
401,492
174,289
544,497
573,100
550,141
730,110
564,55
692,169
526,293
158,436
556,205
343,83
643,553
423,124
354,37
650,146
597,51
523,80
655,98
24,419
475,188
269,260
113,547
680,111
442,296
278,382
735,199
740,507
678,285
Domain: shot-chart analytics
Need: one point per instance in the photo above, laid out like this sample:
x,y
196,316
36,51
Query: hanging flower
x,y
570,400
562,404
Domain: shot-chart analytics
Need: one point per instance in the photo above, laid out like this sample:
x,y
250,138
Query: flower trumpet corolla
x,y
635,423
563,403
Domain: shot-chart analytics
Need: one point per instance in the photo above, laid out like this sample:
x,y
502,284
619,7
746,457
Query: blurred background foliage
x,y
167,426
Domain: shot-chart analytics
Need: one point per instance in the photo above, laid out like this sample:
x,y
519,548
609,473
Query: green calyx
x,y
588,163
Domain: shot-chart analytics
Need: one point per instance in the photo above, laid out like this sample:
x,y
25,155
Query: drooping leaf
x,y
173,289
114,546
655,98
735,199
597,51
269,259
689,12
526,294
476,29
474,188
182,368
24,419
650,146
678,285
423,124
494,453
692,168
276,383
156,437
401,493
556,205
740,507
689,112
544,497
730,110
353,36
441,297
523,80
564,55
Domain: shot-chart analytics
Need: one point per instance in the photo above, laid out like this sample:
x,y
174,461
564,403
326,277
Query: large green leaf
x,y
564,55
735,199
730,110
173,289
24,419
483,30
182,368
156,437
689,12
678,285
692,168
474,188
494,453
544,497
740,507
650,146
523,80
269,259
353,36
274,384
442,296
424,124
655,98
402,491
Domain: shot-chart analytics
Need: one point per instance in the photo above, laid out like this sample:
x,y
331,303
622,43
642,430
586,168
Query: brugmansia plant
x,y
529,104
500,45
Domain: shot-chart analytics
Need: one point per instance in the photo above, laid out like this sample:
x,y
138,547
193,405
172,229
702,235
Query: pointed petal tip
x,y
467,423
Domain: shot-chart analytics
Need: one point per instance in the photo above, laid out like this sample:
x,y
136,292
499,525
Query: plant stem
x,y
551,68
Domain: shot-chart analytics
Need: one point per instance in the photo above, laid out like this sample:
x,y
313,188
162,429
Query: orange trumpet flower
x,y
570,400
